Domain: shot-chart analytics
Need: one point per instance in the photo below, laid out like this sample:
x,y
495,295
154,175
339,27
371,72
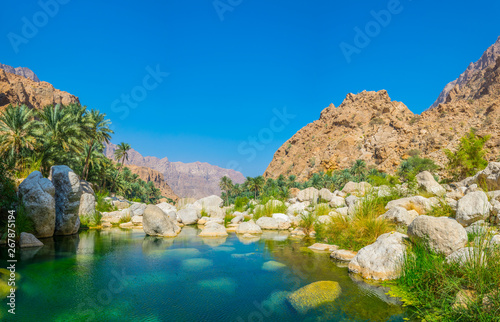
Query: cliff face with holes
x,y
17,90
372,127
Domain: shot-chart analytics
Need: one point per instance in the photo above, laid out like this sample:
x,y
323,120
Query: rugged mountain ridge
x,y
17,90
196,180
488,58
150,175
372,127
21,71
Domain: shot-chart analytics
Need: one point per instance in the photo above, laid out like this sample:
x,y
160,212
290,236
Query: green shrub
x,y
268,210
412,166
307,222
23,222
124,219
442,210
103,205
240,203
91,220
228,218
469,157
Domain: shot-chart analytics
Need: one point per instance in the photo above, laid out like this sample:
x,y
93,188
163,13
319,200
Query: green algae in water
x,y
186,280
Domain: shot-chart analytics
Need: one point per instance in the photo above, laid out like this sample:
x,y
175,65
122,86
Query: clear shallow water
x,y
119,275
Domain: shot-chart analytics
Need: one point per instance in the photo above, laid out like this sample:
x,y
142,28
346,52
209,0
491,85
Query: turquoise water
x,y
119,275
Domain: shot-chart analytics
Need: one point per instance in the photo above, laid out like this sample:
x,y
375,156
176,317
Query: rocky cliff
x,y
150,175
196,180
17,90
372,127
488,58
21,71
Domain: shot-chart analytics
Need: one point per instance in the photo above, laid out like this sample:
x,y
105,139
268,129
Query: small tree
x,y
469,157
226,185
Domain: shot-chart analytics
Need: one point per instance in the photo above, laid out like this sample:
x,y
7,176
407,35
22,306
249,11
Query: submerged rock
x,y
28,240
343,255
314,295
381,260
272,266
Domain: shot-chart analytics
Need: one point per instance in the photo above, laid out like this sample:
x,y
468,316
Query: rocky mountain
x,y
16,90
150,175
372,127
196,180
488,58
21,71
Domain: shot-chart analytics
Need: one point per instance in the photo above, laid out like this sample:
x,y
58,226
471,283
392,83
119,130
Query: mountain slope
x,y
17,90
372,127
196,180
488,58
150,175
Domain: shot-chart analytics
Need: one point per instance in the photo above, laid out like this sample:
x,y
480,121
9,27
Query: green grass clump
x,y
228,218
322,210
361,229
91,220
268,210
124,219
442,210
23,222
307,222
240,203
431,284
103,205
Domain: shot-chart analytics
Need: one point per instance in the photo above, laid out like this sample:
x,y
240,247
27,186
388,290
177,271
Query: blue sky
x,y
229,67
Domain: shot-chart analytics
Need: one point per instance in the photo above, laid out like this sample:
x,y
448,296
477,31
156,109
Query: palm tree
x,y
291,181
259,184
359,168
99,132
17,131
226,184
62,130
251,185
121,153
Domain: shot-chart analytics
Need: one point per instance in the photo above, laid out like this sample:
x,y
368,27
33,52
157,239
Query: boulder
x,y
489,177
183,202
211,201
121,204
166,207
314,295
283,224
237,219
214,212
443,235
297,208
267,223
248,227
29,240
400,215
137,220
344,211
87,200
324,219
281,216
415,202
188,216
310,194
337,202
358,189
343,255
213,229
137,209
323,247
37,195
325,194
156,223
67,195
427,182
381,260
351,201
473,207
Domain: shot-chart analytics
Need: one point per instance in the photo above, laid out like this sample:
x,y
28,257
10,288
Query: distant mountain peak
x,y
488,58
21,71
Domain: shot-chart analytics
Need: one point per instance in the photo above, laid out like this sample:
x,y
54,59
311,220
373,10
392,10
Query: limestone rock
x,y
211,201
427,182
415,202
267,223
444,235
337,202
188,216
400,215
323,247
381,260
357,189
248,227
213,229
473,207
37,194
490,177
156,223
67,196
310,194
343,255
325,194
29,240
